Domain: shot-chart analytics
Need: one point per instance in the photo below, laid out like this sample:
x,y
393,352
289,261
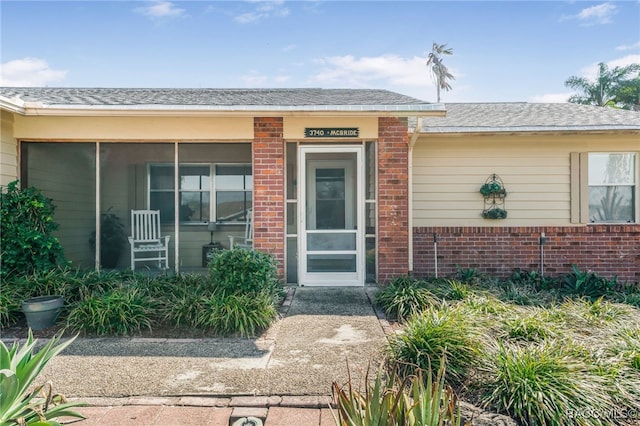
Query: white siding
x,y
449,170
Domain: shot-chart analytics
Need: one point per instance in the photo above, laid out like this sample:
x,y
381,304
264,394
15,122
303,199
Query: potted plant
x,y
494,213
493,189
42,311
112,239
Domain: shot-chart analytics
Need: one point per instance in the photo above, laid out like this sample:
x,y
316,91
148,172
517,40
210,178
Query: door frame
x,y
356,278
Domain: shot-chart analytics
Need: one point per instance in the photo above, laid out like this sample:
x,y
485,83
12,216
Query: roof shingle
x,y
207,97
492,117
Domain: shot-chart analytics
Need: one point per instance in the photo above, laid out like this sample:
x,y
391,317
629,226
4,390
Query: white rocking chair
x,y
145,238
247,240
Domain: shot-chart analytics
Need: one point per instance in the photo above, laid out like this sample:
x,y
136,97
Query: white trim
x,y
176,208
98,206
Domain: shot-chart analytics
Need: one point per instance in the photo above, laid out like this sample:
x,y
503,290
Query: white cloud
x,y
551,98
590,72
595,15
289,48
254,79
282,78
160,10
409,76
263,10
629,46
29,72
350,71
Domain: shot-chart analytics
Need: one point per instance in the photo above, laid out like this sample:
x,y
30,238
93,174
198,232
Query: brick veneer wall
x,y
393,196
268,188
608,250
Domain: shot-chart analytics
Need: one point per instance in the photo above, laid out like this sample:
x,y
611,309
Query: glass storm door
x,y
331,216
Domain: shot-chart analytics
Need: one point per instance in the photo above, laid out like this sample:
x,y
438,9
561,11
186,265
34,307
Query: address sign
x,y
331,132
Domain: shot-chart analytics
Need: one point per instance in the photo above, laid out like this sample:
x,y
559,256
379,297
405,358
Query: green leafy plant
x,y
587,283
26,223
112,239
544,385
244,270
469,275
21,402
438,332
404,297
119,311
533,279
493,188
530,328
494,213
391,399
237,314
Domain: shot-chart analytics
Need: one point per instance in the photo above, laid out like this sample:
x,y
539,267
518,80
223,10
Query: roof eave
x,y
240,110
12,105
528,129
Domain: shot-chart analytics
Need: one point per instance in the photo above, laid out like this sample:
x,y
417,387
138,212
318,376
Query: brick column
x,y
393,198
268,188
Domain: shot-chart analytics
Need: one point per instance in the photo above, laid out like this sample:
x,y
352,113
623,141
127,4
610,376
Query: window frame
x,y
635,185
213,191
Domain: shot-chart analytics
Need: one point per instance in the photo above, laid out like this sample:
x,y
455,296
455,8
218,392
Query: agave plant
x,y
20,404
392,399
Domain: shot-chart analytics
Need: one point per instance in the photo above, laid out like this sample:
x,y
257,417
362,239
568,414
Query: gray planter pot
x,y
42,311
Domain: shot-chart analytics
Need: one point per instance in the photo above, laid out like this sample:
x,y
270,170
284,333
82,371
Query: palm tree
x,y
439,71
628,95
606,88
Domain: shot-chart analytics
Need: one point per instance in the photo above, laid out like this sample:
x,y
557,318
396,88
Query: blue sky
x,y
502,50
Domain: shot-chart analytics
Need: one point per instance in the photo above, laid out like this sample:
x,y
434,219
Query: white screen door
x,y
331,216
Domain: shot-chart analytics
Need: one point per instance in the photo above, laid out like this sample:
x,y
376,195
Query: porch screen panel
x,y
215,186
126,174
65,172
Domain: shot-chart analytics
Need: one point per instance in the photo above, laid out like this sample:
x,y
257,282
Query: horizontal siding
x,y
8,150
448,172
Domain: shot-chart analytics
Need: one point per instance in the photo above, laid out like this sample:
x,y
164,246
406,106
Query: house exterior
x,y
345,186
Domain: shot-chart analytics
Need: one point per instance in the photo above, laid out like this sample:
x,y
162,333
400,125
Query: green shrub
x,y
588,284
237,314
242,270
393,400
403,297
542,385
530,328
439,333
26,223
587,314
21,402
533,279
484,304
10,299
119,311
469,275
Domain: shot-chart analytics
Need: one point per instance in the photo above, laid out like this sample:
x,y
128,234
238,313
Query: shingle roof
x,y
222,99
522,117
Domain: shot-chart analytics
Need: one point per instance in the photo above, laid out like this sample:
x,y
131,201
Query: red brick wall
x,y
608,250
268,188
393,196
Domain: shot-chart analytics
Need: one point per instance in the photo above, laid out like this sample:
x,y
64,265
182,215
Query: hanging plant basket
x,y
493,188
496,213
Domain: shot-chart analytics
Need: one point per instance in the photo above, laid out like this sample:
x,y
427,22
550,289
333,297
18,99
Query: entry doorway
x,y
331,216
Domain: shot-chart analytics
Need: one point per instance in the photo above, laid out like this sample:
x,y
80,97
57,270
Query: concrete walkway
x,y
288,371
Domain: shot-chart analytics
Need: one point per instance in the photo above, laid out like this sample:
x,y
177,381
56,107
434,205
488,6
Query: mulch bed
x,y
20,330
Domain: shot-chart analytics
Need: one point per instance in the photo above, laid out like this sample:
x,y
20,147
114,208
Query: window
x,y
234,186
230,186
612,187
